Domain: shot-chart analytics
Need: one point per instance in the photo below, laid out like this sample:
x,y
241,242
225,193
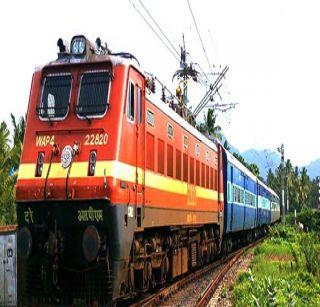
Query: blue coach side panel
x,y
275,207
264,204
240,196
251,203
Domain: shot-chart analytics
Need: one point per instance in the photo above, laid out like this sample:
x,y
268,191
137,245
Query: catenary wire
x,y
157,25
154,31
200,38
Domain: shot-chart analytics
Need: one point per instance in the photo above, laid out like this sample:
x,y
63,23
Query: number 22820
x,y
96,139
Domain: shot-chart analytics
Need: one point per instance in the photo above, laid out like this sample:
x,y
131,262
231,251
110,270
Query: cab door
x,y
140,151
138,95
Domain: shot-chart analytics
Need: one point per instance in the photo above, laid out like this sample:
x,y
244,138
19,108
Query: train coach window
x,y
169,160
178,164
130,102
211,178
207,177
160,156
185,168
150,151
55,97
93,94
203,175
197,173
191,170
139,93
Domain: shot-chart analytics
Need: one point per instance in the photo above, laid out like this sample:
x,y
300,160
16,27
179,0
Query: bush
x,y
310,219
283,233
284,271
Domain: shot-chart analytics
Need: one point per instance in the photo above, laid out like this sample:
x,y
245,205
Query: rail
x,y
226,263
213,285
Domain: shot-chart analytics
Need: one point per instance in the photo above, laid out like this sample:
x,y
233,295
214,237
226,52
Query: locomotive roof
x,y
113,59
156,101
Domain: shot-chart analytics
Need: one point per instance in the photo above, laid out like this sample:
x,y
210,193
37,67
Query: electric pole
x,y
283,211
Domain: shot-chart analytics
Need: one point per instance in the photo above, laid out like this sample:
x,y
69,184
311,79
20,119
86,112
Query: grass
x,y
285,271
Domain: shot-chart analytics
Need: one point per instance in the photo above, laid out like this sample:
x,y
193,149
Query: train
x,y
117,193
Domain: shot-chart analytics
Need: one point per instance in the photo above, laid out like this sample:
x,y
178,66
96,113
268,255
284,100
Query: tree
x,y
304,187
7,212
18,135
226,145
254,169
10,152
240,158
209,126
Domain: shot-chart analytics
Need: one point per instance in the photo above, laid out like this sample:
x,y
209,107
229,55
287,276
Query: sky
x,y
271,47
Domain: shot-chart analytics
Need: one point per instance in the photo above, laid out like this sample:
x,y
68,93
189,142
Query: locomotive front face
x,y
70,135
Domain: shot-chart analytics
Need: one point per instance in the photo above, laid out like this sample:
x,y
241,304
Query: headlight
x,y
90,243
24,243
40,161
78,45
92,162
66,156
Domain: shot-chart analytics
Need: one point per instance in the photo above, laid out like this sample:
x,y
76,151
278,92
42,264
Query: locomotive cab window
x,y
94,94
130,102
55,97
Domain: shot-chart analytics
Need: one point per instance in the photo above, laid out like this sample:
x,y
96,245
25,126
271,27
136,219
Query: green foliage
x,y
283,232
284,271
310,219
301,191
224,292
311,252
209,127
252,167
10,151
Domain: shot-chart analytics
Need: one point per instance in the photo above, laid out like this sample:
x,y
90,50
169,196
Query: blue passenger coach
x,y
249,203
240,196
264,204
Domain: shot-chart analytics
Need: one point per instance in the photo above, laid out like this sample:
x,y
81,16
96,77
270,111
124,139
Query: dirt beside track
x,y
221,297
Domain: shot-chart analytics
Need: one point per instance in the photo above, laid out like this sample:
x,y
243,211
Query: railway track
x,y
197,288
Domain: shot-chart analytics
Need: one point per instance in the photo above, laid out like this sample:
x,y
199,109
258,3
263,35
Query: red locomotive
x,y
116,192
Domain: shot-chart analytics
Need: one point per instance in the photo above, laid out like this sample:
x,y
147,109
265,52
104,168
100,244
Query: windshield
x,y
94,94
55,97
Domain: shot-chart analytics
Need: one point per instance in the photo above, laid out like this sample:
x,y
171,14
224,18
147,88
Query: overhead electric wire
x,y
212,91
202,71
204,49
154,31
162,32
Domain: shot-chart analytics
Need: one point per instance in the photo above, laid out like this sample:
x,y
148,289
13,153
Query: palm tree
x,y
254,168
304,188
18,135
7,208
10,152
209,126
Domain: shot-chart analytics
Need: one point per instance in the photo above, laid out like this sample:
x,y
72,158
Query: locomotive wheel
x,y
147,275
